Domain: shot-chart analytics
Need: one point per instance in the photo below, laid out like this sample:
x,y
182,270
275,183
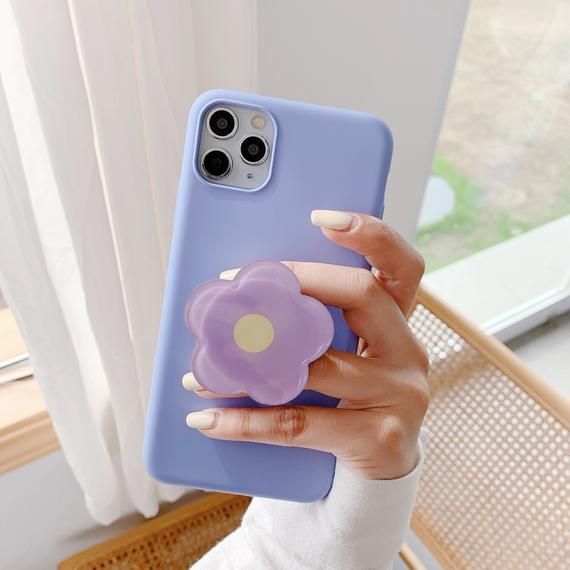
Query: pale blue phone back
x,y
323,158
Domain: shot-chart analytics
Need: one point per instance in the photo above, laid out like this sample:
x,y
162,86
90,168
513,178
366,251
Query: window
x,y
501,173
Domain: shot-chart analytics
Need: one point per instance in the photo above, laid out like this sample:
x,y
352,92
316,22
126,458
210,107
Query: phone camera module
x,y
253,150
216,163
222,123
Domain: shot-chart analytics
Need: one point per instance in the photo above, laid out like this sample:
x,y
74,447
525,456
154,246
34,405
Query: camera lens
x,y
216,163
253,150
222,123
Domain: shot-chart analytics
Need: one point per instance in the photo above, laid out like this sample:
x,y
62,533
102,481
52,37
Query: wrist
x,y
392,462
402,468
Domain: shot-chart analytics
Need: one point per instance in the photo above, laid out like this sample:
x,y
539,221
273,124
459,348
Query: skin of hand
x,y
382,389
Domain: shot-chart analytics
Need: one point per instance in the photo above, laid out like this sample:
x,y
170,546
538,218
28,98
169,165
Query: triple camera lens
x,y
216,163
222,123
253,150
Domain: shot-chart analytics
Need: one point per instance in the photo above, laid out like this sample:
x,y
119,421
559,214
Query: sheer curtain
x,y
93,104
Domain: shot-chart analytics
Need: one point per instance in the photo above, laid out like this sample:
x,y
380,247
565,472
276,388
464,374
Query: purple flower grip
x,y
257,334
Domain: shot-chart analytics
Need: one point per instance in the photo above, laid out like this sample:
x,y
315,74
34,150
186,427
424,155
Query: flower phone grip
x,y
257,333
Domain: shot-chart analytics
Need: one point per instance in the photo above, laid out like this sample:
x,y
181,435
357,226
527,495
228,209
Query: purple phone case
x,y
323,158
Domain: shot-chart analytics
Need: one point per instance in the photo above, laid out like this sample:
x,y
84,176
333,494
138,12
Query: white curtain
x,y
94,97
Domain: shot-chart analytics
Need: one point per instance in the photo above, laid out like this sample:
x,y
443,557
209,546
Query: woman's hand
x,y
383,390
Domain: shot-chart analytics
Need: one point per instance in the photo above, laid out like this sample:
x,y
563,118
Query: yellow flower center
x,y
254,333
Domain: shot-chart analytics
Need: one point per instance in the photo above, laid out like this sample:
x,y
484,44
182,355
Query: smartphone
x,y
254,168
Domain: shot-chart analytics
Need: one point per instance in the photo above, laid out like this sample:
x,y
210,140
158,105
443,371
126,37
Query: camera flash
x,y
258,122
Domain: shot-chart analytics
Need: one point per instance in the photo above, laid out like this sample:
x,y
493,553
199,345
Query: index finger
x,y
400,266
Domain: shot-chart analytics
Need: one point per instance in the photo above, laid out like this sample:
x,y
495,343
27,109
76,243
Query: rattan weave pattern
x,y
170,542
495,488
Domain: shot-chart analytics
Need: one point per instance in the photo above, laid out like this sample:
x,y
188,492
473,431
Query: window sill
x,y
26,432
513,286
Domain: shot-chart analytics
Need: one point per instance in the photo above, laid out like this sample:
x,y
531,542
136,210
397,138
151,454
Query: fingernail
x,y
190,383
331,219
229,274
201,420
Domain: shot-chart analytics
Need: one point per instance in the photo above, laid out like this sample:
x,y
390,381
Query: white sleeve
x,y
360,524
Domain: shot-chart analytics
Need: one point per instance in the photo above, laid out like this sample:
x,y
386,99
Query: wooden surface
x,y
410,559
19,400
168,542
26,441
26,432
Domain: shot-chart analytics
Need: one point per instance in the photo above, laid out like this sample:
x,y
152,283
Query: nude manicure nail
x,y
331,219
190,383
201,420
229,274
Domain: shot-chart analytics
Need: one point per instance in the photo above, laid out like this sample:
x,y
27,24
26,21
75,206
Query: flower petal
x,y
200,302
318,326
211,372
271,271
281,386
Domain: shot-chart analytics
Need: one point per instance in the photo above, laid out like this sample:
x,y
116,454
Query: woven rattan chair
x,y
495,489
